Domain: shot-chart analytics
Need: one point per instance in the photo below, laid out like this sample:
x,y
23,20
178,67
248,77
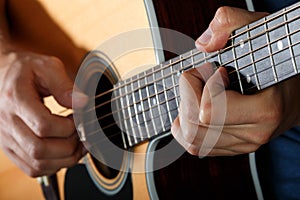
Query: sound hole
x,y
103,155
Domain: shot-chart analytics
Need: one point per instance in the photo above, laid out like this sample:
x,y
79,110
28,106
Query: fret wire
x,y
177,84
237,35
214,54
177,96
117,133
192,58
143,108
267,20
130,118
166,96
242,79
150,110
270,53
174,83
261,47
126,126
219,56
253,62
136,111
148,96
157,103
271,81
287,31
289,45
200,61
233,46
205,57
237,70
181,64
271,67
122,128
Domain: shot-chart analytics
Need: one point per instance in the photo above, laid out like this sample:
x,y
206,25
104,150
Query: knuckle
x,y
41,128
56,62
205,112
192,150
186,76
13,92
39,167
189,134
34,150
222,16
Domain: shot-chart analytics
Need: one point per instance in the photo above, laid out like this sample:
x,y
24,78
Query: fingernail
x,y
204,39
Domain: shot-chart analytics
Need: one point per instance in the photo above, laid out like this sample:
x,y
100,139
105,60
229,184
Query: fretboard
x,y
260,55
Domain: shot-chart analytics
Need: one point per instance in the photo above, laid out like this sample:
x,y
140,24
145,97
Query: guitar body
x,y
186,177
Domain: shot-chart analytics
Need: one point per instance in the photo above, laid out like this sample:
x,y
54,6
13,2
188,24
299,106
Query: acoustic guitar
x,y
126,125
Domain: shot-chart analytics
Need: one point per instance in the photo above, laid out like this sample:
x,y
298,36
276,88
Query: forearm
x,y
30,28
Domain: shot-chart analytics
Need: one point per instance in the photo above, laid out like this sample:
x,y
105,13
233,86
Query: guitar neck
x,y
260,55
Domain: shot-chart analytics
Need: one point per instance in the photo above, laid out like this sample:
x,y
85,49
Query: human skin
x,y
250,120
37,59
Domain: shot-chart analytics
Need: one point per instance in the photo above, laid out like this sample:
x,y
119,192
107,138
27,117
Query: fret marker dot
x,y
242,44
280,45
248,78
139,107
154,101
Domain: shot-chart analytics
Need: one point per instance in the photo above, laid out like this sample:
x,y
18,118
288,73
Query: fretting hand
x,y
249,120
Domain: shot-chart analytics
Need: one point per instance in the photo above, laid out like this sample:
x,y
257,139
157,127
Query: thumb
x,y
225,21
55,81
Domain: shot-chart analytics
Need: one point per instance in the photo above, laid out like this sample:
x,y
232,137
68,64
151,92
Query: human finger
x,y
55,81
225,21
42,148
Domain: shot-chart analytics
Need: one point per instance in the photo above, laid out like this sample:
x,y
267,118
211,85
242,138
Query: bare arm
x,y
36,60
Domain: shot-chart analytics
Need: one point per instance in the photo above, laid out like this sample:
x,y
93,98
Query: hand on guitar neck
x,y
249,121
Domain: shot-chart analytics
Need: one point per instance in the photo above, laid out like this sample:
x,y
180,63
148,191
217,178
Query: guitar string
x,y
184,58
244,78
173,87
199,62
118,133
134,143
284,12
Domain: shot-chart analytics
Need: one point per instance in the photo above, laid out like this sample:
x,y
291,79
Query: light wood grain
x,y
89,23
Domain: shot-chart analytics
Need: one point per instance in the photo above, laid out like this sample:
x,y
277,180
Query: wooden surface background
x,y
88,23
